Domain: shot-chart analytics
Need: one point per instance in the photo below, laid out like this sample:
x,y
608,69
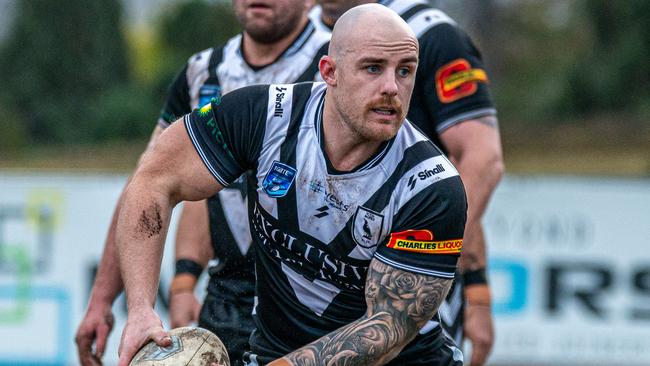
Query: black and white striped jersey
x,y
315,229
210,74
451,82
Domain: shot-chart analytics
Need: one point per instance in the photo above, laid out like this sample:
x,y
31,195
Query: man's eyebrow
x,y
373,60
409,59
379,60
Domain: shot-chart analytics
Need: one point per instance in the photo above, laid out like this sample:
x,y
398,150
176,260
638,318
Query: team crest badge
x,y
207,93
367,227
278,179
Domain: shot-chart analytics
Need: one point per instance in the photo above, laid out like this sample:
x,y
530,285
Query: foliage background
x,y
83,84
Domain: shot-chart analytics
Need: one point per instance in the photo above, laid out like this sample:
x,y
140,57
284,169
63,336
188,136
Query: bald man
x,y
357,218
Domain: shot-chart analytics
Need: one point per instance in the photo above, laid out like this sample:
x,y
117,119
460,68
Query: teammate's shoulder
x,y
422,17
202,60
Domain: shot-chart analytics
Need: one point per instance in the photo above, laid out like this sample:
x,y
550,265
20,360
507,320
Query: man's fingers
x,y
84,340
161,337
479,354
100,343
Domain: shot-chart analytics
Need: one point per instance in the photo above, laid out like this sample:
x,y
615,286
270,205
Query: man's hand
x,y
184,309
94,328
142,325
478,325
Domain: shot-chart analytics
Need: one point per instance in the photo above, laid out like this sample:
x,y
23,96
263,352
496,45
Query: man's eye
x,y
404,72
373,69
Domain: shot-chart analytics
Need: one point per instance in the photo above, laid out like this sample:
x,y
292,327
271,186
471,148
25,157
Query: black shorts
x,y
452,310
231,321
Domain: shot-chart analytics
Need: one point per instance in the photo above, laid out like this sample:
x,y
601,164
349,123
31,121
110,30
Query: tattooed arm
x,y
171,172
399,304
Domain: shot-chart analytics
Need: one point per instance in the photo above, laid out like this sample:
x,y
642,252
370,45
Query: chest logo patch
x,y
457,79
278,179
367,227
421,241
207,93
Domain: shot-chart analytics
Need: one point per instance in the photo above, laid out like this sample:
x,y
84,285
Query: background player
x,y
312,274
229,301
452,106
278,44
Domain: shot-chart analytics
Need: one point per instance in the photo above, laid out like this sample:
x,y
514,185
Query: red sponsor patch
x,y
421,241
457,79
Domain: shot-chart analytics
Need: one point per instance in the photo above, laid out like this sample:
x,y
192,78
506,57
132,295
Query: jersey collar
x,y
370,163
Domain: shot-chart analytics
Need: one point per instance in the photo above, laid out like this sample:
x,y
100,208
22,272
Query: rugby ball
x,y
191,346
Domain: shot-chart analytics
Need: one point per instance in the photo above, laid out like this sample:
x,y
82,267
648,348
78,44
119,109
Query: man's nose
x,y
389,84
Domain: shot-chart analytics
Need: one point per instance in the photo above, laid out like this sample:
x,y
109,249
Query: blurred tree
x,y
617,75
58,61
188,27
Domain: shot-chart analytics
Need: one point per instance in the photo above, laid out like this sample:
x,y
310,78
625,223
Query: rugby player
x,y
357,218
451,104
278,44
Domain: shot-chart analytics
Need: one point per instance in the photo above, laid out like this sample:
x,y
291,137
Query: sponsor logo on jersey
x,y
311,260
214,129
457,79
209,92
203,111
330,199
278,179
421,241
424,174
278,111
322,211
367,227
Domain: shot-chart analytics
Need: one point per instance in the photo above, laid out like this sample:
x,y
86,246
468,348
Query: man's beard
x,y
274,33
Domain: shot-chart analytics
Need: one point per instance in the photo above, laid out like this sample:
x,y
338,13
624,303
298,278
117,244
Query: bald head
x,y
367,23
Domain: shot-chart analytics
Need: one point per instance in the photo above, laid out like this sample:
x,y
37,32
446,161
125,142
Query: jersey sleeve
x,y
177,103
427,234
451,77
228,132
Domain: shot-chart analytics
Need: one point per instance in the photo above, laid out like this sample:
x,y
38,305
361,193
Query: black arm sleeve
x,y
451,83
427,234
228,132
177,103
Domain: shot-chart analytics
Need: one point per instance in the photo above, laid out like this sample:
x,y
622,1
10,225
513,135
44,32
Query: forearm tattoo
x,y
399,304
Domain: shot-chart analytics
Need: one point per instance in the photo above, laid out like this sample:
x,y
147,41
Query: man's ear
x,y
327,68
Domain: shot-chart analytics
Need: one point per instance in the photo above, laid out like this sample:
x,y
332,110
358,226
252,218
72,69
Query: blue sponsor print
x,y
278,179
207,93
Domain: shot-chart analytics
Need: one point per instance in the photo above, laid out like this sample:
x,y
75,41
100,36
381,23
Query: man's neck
x,y
345,149
260,54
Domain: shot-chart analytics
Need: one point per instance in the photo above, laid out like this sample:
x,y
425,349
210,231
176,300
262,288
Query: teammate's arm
x,y
193,251
169,173
98,320
399,304
474,147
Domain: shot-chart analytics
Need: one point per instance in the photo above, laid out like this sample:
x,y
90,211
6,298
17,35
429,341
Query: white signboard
x,y
570,267
52,230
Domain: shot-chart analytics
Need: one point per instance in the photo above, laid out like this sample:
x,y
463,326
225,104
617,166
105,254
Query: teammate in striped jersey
x,y
279,44
451,104
359,282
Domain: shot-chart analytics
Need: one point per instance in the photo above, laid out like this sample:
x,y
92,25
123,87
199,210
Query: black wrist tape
x,y
475,277
188,266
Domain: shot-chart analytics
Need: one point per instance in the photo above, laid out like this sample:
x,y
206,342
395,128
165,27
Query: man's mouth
x,y
385,111
259,5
